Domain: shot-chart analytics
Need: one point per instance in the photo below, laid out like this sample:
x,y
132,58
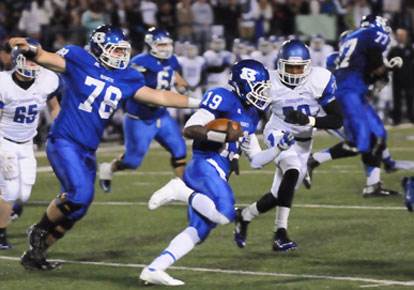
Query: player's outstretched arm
x,y
165,98
42,57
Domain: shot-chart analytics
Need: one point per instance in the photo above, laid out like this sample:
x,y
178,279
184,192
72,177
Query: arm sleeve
x,y
201,117
333,118
258,158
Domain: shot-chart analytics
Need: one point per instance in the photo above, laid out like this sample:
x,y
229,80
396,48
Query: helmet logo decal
x,y
248,74
99,37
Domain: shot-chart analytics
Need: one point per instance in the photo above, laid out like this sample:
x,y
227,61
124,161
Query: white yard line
x,y
324,206
236,272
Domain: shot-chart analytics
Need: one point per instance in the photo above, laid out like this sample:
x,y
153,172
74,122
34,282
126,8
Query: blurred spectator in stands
x,y
166,18
29,22
203,20
263,22
148,11
405,18
6,62
44,11
185,21
93,17
360,8
315,7
328,7
247,24
135,24
403,78
227,13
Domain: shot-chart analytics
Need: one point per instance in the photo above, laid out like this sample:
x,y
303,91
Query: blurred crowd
x,y
248,29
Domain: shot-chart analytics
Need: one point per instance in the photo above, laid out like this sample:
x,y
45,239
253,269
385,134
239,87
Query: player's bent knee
x,y
66,206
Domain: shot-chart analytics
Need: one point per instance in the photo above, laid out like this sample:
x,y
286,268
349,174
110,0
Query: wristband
x,y
312,121
193,103
31,51
216,136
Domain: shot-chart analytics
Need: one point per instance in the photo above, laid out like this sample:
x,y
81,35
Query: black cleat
x,y
281,241
30,262
36,238
240,231
311,165
4,244
376,190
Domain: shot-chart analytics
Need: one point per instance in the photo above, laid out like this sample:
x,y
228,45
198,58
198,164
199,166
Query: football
x,y
221,125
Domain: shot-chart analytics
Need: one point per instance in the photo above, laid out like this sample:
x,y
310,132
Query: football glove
x,y
234,165
296,117
286,141
395,62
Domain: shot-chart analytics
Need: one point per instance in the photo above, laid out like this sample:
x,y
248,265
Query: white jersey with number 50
x,y
318,90
21,107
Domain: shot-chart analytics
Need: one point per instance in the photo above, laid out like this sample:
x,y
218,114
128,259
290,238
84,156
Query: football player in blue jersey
x,y
299,92
142,122
97,82
210,198
360,62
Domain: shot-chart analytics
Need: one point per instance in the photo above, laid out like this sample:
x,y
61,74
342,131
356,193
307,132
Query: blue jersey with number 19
x,y
91,94
223,103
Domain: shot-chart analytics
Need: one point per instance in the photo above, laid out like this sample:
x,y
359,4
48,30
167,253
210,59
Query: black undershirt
x,y
23,84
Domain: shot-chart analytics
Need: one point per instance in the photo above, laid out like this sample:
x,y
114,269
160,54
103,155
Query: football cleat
x,y
394,166
281,241
158,277
376,190
36,238
4,244
408,185
311,165
174,190
240,230
30,262
105,176
16,212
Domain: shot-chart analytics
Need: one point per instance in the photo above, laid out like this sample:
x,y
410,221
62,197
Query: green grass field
x,y
345,241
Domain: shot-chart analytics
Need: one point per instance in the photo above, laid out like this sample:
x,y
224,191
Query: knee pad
x,y
292,163
343,149
175,163
66,206
287,188
67,224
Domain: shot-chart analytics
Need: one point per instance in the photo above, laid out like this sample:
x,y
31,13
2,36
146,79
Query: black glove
x,y
234,165
296,117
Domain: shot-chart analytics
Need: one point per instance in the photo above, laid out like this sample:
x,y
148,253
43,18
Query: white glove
x,y
286,141
8,166
393,62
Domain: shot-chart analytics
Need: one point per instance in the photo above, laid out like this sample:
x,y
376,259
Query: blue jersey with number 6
x,y
158,74
91,94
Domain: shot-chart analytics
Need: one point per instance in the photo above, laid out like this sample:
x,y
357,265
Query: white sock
x,y
250,212
182,191
206,207
183,243
282,216
373,175
322,156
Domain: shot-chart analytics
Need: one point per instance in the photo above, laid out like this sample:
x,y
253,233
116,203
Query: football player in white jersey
x,y
298,93
218,62
319,50
193,67
24,92
265,53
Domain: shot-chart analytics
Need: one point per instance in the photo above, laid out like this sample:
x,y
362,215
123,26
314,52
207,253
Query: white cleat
x,y
158,277
105,176
174,190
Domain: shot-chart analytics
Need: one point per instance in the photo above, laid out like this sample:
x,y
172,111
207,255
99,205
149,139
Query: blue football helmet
x,y
159,42
249,79
293,53
375,21
22,66
109,45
